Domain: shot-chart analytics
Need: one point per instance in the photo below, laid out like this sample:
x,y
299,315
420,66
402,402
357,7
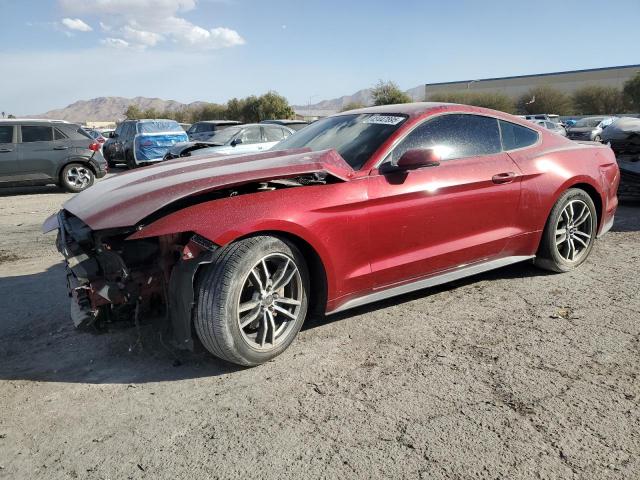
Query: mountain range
x,y
107,109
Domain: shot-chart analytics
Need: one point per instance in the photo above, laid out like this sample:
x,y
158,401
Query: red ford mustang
x,y
352,209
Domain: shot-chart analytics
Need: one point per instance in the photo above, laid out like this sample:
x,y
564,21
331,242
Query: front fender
x,y
226,220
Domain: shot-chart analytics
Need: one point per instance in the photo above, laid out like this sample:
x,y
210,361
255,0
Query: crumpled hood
x,y
127,198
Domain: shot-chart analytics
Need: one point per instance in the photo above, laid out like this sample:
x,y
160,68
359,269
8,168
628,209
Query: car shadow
x,y
519,270
30,190
627,217
39,342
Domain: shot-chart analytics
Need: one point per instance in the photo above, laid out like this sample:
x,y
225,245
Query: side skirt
x,y
439,279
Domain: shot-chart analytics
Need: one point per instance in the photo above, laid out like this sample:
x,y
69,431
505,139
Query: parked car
x,y
96,135
589,128
204,130
292,124
554,127
248,138
42,152
141,142
551,117
623,136
355,208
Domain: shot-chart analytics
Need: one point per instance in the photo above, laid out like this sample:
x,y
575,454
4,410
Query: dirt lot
x,y
512,374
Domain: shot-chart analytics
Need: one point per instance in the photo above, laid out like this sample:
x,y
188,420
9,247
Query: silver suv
x,y
42,152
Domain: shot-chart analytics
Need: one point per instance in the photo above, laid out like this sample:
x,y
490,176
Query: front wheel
x,y
76,177
252,300
570,232
597,138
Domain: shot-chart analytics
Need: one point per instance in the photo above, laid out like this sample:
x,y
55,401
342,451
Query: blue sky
x,y
58,51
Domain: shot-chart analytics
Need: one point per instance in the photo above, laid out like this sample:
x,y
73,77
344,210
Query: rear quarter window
x,y
516,136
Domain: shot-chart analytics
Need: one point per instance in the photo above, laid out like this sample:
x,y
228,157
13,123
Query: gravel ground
x,y
511,374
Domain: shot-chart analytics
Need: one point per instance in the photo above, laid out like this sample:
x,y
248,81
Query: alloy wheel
x,y
270,301
574,231
78,177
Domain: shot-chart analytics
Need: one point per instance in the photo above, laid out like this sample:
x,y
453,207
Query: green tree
x,y
234,109
209,111
388,93
133,112
271,105
545,100
352,106
632,93
496,101
597,100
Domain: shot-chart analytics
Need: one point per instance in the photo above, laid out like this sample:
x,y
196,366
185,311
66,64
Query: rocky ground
x,y
511,374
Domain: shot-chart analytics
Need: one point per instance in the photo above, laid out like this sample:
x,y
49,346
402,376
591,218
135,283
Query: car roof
x,y
284,121
230,122
146,120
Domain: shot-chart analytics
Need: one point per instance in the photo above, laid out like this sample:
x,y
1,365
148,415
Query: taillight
x,y
94,146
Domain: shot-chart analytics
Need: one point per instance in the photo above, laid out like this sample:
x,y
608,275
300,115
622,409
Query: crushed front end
x,y
112,279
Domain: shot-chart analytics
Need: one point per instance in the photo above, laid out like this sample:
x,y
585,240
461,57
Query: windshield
x,y
355,137
223,136
157,126
588,122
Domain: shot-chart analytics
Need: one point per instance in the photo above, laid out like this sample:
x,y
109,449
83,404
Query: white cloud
x,y
76,24
141,37
114,42
148,23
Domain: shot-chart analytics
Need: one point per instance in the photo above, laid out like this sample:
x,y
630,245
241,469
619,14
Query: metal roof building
x,y
567,82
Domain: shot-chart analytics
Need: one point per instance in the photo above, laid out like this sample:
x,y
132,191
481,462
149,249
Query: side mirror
x,y
418,158
236,141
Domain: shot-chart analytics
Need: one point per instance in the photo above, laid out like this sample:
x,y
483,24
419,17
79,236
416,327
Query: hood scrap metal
x,y
125,199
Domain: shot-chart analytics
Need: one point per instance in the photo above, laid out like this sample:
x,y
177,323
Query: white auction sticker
x,y
384,119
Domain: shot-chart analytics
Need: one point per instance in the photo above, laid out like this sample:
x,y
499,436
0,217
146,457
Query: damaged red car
x,y
354,208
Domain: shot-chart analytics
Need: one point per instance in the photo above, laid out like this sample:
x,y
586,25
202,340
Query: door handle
x,y
5,150
60,147
506,177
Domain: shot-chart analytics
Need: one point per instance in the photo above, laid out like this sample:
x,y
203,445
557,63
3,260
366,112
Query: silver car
x,y
553,126
250,138
589,128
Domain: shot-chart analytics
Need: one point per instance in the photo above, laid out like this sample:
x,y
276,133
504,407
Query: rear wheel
x,y
597,138
129,160
252,301
570,232
76,177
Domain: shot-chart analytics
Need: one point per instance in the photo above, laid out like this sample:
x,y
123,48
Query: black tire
x,y
219,288
66,176
549,256
107,158
597,138
129,160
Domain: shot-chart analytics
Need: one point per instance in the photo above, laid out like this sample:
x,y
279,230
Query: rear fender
x,y
86,161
